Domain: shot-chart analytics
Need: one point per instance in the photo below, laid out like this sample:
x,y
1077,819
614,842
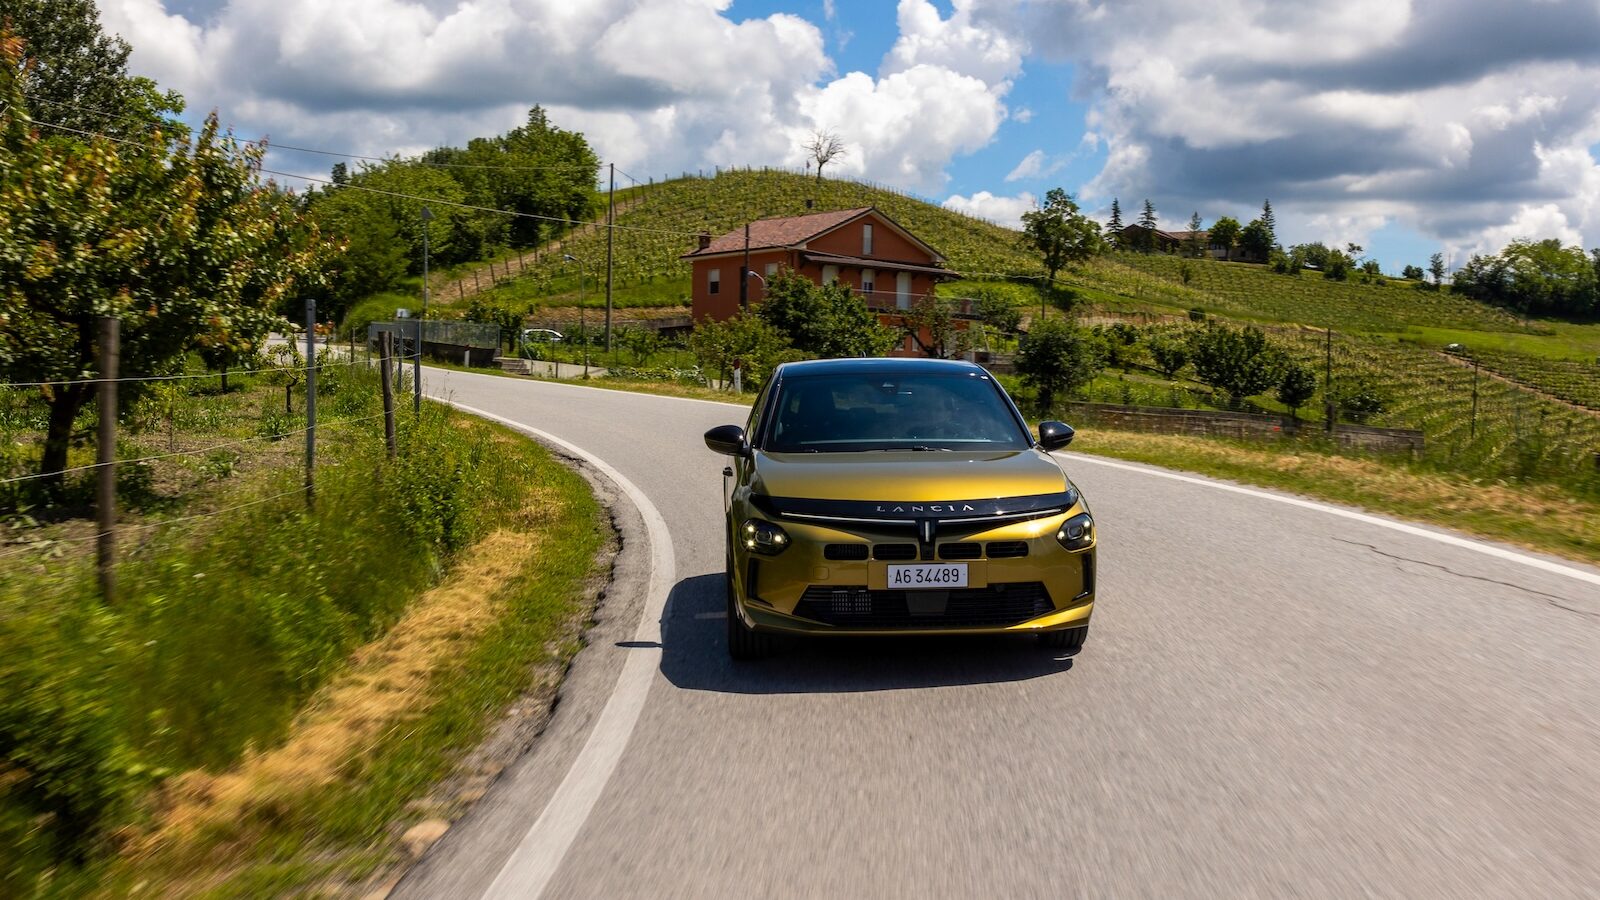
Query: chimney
x,y
705,239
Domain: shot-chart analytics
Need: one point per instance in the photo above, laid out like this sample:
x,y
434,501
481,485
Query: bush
x,y
1238,361
1056,357
1359,397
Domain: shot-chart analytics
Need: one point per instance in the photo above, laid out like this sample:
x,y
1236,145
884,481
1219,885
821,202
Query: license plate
x,y
947,575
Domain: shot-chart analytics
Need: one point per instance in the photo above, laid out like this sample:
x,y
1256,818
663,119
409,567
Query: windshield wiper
x,y
918,447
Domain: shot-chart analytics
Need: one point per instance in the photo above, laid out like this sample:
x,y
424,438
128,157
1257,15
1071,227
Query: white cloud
x,y
665,85
1022,114
1005,211
1344,114
1035,165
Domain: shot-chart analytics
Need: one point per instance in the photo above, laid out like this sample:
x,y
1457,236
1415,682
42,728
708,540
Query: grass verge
x,y
1538,517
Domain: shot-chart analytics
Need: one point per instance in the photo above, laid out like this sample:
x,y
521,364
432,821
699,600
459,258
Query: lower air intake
x,y
857,607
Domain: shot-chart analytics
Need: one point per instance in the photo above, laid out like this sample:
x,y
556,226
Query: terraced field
x,y
1574,381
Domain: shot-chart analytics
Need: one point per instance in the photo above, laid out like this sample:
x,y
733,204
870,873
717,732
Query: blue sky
x,y
1404,125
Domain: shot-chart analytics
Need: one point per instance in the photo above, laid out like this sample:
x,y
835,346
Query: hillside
x,y
668,215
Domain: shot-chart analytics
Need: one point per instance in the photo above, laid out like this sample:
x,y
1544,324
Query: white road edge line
x,y
1443,538
529,868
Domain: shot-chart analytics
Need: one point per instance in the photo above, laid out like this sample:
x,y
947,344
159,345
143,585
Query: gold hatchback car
x,y
900,496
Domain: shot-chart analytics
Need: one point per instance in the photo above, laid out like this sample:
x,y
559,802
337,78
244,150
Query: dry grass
x,y
1538,517
387,683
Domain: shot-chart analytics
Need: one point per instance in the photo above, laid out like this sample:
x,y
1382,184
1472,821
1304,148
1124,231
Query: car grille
x,y
1008,549
964,550
844,551
894,551
857,607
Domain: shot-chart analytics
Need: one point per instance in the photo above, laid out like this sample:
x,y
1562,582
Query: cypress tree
x,y
1114,227
1271,221
1147,221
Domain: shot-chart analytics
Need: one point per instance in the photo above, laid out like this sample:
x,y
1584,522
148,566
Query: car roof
x,y
877,365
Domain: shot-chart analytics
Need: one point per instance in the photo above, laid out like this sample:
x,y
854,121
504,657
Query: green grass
x,y
223,626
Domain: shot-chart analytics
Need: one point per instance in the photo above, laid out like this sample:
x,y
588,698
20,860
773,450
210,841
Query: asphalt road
x,y
1275,700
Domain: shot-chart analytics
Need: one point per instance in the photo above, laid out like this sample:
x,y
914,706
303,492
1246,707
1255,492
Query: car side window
x,y
751,434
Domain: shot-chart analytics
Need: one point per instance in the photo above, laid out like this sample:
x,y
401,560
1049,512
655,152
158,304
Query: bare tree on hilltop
x,y
824,147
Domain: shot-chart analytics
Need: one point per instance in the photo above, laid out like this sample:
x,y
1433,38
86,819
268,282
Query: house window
x,y
772,269
867,278
866,240
714,281
830,274
902,290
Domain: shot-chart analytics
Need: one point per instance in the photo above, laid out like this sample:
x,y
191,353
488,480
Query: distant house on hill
x,y
882,262
1178,242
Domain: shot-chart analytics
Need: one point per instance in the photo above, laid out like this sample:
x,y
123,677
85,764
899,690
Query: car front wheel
x,y
743,642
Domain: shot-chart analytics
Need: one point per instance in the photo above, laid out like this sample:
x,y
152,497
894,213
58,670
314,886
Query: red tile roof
x,y
787,231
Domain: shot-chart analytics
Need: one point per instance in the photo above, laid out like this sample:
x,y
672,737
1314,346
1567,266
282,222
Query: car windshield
x,y
925,411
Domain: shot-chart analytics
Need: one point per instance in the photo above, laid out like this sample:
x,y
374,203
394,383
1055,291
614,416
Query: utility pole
x,y
311,403
386,380
1474,397
583,334
611,240
744,271
427,216
1327,385
105,501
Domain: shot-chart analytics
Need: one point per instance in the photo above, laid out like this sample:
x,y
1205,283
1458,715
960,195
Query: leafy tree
x,y
375,255
1057,357
932,324
536,169
1255,239
822,320
1314,255
1534,277
1225,233
997,310
1119,342
1297,385
744,342
1060,234
1114,225
1169,351
1359,397
178,240
1412,273
76,75
1195,246
1336,266
1436,269
1239,362
1371,267
1269,221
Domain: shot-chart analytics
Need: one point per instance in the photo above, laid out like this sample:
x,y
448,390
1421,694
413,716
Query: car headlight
x,y
763,537
1077,533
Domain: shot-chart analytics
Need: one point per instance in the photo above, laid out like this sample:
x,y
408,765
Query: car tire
x,y
1068,639
744,643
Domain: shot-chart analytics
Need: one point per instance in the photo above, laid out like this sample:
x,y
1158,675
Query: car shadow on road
x,y
694,655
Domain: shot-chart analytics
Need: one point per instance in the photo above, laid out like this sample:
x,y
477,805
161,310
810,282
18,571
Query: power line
x,y
69,383
370,190
266,142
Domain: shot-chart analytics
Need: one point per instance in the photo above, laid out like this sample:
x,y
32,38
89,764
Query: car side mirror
x,y
727,440
1052,435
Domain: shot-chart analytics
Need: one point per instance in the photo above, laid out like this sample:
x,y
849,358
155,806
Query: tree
x,y
1297,385
179,240
1359,397
824,147
1196,246
1256,240
744,342
1270,222
1225,234
1238,362
1057,357
1412,273
1436,269
76,75
1169,351
932,324
1114,225
1060,234
376,256
1147,222
1534,277
996,309
822,320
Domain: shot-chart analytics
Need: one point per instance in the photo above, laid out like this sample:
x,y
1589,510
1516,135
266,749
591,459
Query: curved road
x,y
1277,699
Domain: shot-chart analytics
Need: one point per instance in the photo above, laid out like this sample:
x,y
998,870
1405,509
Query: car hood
x,y
908,476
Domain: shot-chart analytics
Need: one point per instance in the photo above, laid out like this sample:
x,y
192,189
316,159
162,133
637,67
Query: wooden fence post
x,y
105,506
386,378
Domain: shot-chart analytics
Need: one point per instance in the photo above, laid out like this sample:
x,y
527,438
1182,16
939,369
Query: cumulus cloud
x,y
1006,211
1468,122
660,84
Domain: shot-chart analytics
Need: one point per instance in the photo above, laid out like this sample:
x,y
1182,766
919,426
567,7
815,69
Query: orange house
x,y
885,265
